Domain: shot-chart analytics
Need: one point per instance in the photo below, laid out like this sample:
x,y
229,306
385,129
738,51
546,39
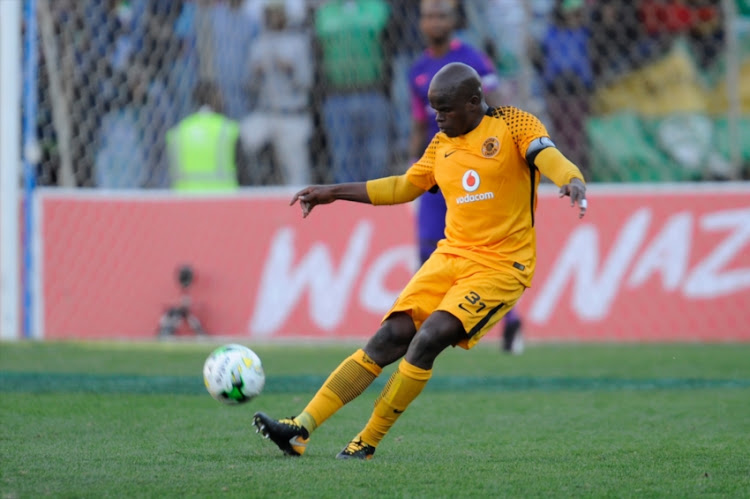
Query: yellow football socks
x,y
403,387
344,384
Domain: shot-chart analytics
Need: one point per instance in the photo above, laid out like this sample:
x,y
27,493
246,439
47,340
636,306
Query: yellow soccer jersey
x,y
489,190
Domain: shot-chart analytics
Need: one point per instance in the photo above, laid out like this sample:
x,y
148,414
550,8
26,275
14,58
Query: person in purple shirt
x,y
437,23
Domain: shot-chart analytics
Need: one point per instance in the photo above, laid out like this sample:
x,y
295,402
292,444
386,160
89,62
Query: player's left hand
x,y
577,192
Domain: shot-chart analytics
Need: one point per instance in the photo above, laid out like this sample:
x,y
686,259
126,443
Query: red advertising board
x,y
660,264
645,265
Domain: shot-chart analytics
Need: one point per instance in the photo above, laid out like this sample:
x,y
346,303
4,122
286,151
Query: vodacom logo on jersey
x,y
470,183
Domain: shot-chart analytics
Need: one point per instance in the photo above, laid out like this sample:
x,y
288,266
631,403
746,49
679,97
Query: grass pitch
x,y
133,420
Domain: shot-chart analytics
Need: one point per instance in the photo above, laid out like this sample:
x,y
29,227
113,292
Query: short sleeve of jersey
x,y
524,127
422,173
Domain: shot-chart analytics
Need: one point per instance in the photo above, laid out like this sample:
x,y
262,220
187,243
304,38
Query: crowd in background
x,y
315,102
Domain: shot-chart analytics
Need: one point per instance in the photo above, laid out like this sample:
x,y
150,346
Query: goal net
x,y
631,91
320,91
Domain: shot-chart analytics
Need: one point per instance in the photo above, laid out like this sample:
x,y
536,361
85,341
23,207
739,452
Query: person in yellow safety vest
x,y
205,153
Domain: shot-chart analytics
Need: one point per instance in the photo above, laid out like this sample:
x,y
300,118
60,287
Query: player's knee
x,y
428,342
436,334
392,340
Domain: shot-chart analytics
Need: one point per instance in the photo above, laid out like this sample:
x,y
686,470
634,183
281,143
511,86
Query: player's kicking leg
x,y
345,383
287,434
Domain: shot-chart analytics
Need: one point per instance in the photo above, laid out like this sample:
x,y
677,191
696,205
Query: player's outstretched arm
x,y
312,196
562,172
577,192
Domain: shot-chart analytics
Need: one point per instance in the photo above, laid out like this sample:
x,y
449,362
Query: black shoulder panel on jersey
x,y
494,112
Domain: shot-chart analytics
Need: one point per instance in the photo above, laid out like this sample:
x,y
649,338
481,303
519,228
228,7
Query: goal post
x,y
10,161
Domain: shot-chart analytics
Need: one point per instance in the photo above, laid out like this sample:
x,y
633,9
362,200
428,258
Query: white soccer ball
x,y
233,374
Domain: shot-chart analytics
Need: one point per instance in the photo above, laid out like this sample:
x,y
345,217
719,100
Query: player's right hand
x,y
311,196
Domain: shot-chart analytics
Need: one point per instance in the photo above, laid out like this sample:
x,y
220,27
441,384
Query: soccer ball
x,y
233,374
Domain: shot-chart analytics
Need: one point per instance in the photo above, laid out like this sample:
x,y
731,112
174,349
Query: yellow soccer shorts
x,y
479,296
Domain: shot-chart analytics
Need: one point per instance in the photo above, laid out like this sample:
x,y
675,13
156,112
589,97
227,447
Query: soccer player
x,y
437,22
485,160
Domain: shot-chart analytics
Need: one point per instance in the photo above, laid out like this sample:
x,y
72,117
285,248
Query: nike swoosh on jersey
x,y
449,153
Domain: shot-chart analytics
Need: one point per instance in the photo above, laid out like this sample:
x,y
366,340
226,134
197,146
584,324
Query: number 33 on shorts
x,y
475,303
478,295
481,300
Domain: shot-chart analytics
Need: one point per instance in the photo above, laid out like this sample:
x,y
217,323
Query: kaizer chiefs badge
x,y
491,147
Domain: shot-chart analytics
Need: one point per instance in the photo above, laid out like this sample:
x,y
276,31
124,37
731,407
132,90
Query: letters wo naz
x,y
328,284
596,283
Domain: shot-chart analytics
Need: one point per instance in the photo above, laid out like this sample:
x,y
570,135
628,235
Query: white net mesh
x,y
631,91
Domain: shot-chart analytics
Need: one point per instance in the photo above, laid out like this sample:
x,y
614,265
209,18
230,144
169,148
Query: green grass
x,y
133,420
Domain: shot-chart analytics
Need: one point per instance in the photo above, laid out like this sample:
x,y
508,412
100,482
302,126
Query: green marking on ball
x,y
236,394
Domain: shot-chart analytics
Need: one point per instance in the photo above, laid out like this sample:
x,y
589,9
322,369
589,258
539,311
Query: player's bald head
x,y
458,80
456,96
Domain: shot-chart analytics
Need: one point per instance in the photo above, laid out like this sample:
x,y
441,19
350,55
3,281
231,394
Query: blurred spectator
x,y
699,20
620,41
406,46
161,54
614,29
297,14
126,143
281,76
160,45
539,12
501,27
123,29
101,43
539,15
97,41
437,22
568,78
355,70
225,35
184,74
205,151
